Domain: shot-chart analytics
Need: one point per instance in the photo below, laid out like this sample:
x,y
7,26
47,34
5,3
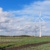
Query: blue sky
x,y
15,4
18,17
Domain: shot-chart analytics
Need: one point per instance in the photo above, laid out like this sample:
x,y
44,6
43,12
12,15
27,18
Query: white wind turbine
x,y
40,25
40,28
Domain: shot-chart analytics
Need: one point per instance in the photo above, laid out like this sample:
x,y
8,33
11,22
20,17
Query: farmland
x,y
41,47
12,42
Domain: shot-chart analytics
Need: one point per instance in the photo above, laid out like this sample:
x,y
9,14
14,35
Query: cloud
x,y
21,22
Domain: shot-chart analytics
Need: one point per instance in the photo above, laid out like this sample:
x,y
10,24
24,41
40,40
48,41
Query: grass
x,y
18,41
41,47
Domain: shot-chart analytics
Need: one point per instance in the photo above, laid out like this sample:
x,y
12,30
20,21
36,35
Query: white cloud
x,y
0,9
23,21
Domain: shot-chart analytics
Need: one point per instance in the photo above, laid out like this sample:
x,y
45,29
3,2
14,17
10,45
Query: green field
x,y
9,42
41,47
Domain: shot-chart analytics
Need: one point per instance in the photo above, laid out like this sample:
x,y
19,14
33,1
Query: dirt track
x,y
25,46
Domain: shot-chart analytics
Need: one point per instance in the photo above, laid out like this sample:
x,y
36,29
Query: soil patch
x,y
4,42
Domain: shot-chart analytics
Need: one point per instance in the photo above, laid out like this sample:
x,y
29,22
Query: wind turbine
x,y
40,25
39,21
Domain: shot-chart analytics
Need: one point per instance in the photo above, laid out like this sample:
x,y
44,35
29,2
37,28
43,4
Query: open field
x,y
10,42
41,47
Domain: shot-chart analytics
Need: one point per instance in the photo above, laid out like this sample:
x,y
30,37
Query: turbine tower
x,y
40,22
40,25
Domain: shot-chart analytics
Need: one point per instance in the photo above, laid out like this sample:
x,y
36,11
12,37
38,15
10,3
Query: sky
x,y
21,17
